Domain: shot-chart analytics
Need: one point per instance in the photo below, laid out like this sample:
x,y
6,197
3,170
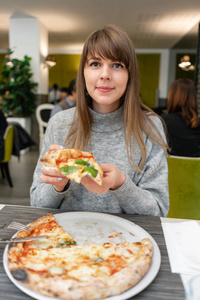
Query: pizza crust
x,y
49,217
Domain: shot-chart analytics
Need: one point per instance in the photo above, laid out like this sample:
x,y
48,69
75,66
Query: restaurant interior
x,y
166,36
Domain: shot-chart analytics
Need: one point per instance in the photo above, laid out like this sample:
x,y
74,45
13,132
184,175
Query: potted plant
x,y
17,88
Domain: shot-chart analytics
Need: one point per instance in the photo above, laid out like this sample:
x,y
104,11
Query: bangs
x,y
107,47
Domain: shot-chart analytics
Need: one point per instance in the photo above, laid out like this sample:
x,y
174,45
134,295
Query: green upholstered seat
x,y
184,187
8,147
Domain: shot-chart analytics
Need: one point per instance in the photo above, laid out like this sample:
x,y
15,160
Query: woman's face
x,y
106,82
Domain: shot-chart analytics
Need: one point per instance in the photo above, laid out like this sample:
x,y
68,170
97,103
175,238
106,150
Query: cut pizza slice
x,y
74,164
47,226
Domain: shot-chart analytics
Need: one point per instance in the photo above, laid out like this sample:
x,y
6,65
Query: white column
x,y
163,74
28,36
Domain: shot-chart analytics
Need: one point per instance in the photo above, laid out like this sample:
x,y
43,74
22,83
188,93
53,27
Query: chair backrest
x,y
43,112
184,187
8,142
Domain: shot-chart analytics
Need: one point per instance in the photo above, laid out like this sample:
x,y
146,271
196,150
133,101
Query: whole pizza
x,y
56,266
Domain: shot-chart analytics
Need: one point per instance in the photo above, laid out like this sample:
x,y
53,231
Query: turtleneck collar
x,y
107,122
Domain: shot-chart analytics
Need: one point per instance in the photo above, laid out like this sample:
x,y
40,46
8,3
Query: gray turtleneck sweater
x,y
142,193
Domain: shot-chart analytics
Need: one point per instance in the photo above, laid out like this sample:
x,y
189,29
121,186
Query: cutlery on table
x,y
22,239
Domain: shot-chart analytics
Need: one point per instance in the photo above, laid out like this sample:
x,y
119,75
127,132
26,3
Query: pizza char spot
x,y
20,274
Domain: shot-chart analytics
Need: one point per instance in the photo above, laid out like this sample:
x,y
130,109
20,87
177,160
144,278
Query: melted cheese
x,y
81,262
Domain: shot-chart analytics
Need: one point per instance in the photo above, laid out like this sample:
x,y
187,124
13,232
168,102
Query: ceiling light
x,y
185,62
50,61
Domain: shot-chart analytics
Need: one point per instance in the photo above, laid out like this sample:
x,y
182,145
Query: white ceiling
x,y
150,23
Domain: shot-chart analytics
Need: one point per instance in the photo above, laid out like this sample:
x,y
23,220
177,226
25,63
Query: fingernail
x,y
59,178
61,147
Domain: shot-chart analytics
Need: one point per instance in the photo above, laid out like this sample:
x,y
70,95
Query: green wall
x,y
67,66
149,65
65,69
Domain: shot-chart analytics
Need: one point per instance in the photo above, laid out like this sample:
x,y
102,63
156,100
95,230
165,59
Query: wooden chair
x,y
43,112
184,187
8,147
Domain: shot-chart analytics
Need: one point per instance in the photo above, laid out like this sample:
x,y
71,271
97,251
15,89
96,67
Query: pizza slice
x,y
74,164
47,226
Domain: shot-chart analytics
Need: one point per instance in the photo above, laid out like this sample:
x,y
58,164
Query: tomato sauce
x,y
40,230
115,263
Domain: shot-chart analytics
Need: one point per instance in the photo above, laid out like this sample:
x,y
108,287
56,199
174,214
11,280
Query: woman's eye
x,y
94,64
118,65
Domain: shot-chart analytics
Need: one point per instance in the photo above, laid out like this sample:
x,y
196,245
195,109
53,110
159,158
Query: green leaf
x,y
81,162
91,170
68,169
17,80
66,243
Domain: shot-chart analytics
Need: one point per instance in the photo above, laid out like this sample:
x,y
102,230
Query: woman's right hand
x,y
54,177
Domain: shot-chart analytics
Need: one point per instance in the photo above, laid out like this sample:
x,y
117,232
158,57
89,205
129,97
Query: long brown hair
x,y
113,43
182,99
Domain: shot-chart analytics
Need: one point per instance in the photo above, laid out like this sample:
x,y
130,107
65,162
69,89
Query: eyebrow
x,y
95,58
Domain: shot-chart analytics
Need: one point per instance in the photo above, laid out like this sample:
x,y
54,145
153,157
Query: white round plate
x,y
91,227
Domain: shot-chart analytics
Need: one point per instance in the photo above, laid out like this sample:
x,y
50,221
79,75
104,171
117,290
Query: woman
x,y
110,120
182,119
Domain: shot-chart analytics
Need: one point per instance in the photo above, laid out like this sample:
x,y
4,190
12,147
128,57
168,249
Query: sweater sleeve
x,y
42,194
147,192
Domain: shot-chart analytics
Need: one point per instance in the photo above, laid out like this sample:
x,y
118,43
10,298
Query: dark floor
x,y
21,173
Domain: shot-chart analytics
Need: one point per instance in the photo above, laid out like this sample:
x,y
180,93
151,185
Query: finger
x,y
92,186
57,181
106,167
55,147
52,172
86,180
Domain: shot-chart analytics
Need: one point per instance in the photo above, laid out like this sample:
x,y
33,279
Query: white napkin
x,y
183,245
1,206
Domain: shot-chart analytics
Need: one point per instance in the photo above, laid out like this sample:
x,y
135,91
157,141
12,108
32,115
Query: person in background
x,y
64,93
3,126
69,101
125,136
182,122
54,95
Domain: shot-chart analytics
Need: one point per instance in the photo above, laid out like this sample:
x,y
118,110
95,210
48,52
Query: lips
x,y
104,89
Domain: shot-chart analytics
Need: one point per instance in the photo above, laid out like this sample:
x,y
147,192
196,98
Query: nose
x,y
105,73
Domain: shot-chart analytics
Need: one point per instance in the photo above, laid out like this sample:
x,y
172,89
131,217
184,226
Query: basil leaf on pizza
x,y
74,164
81,162
91,170
68,169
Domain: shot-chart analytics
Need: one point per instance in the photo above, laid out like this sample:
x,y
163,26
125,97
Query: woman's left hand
x,y
113,178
